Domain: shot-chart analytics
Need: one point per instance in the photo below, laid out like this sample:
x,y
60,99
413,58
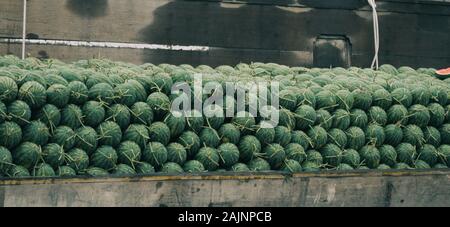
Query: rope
x,y
375,33
24,27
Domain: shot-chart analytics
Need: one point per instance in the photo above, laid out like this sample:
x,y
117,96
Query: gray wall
x,y
415,33
373,188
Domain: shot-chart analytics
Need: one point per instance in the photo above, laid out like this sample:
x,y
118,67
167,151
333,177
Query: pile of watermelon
x,y
99,117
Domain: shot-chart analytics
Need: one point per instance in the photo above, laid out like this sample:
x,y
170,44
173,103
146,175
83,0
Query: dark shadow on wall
x,y
88,8
253,27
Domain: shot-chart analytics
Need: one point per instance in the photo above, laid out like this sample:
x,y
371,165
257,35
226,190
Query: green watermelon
x,y
440,166
58,95
324,119
397,114
359,118
72,116
104,157
301,138
314,156
123,170
191,142
249,147
144,168
439,95
437,114
172,168
125,93
64,136
402,96
77,159
43,170
120,114
65,171
388,155
444,154
10,134
429,154
341,119
265,135
193,166
375,135
319,137
282,135
406,153
102,92
159,132
363,99
370,155
109,133
326,100
19,112
53,154
50,115
382,98
306,97
176,153
79,93
93,113
160,104
419,115
36,132
295,152
332,155
18,172
286,119
141,113
229,133
414,135
6,160
194,121
305,117
95,172
137,133
275,155
129,153
288,99
33,93
345,99
310,167
291,166
393,134
209,157
240,167
355,138
377,115
259,164
444,130
86,139
419,164
27,155
155,153
176,123
8,89
432,136
229,154
3,112
421,95
209,137
351,157
214,116
337,137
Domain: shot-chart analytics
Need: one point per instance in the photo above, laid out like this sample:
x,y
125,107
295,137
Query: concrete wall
x,y
415,33
373,188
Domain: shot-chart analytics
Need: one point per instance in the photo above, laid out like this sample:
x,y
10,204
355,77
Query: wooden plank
x,y
373,188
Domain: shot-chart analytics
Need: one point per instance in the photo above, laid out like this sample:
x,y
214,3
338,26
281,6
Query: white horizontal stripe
x,y
106,44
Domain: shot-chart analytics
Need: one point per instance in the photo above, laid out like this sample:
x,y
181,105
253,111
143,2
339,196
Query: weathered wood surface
x,y
411,32
374,188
